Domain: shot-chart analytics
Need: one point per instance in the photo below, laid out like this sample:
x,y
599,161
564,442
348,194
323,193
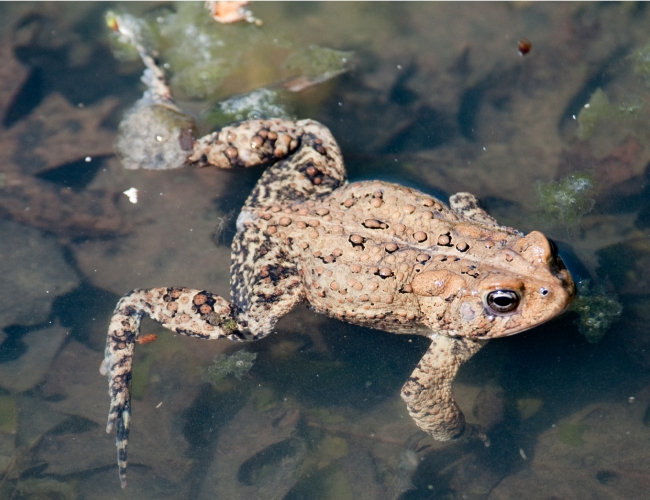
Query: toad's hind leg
x,y
304,161
313,171
428,394
189,312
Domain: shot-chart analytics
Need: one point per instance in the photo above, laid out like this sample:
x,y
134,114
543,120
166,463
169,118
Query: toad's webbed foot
x,y
189,312
428,394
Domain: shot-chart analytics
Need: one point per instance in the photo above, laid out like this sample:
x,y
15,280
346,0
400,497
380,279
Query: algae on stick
x,y
200,54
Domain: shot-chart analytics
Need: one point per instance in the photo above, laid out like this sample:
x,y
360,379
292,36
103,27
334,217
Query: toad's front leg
x,y
188,312
428,394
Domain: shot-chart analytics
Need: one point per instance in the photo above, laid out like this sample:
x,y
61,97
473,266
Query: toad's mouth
x,y
560,271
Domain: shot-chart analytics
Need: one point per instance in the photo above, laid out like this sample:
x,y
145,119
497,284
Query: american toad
x,y
370,253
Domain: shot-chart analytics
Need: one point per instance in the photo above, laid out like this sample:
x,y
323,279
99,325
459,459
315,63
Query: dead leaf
x,y
12,76
57,133
34,273
28,370
156,439
250,442
54,134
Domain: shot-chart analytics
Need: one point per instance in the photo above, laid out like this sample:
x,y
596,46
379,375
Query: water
x,y
438,98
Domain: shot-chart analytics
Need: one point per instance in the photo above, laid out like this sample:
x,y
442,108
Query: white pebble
x,y
132,194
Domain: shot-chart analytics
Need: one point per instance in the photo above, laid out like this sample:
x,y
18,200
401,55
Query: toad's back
x,y
360,248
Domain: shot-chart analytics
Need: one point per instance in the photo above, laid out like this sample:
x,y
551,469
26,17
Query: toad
x,y
370,253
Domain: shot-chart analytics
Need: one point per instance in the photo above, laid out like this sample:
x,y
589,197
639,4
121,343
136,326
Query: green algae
x,y
198,52
571,433
237,364
46,489
598,109
597,310
264,398
260,103
641,62
527,407
140,376
565,201
329,483
230,326
8,414
317,63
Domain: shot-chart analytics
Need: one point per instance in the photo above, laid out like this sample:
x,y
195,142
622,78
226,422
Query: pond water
x,y
436,96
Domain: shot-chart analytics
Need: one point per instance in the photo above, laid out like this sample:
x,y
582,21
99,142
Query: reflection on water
x,y
438,97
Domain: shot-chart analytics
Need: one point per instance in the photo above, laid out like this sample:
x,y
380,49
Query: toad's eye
x,y
502,301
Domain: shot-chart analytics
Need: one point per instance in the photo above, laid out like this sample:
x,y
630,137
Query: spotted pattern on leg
x,y
267,282
306,160
247,144
314,170
194,313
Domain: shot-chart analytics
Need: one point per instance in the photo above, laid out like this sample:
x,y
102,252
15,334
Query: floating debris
x,y
524,46
146,339
231,11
